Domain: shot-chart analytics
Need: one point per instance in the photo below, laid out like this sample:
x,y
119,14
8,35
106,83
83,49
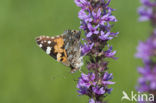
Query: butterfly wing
x,y
64,48
54,46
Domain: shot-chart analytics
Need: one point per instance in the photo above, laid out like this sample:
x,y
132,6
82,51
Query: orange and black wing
x,y
53,46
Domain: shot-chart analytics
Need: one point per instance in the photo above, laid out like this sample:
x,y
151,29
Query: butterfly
x,y
64,48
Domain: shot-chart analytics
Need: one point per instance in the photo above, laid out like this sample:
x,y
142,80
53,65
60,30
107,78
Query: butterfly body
x,y
64,48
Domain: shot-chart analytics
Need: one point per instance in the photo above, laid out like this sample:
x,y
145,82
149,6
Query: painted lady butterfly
x,y
65,48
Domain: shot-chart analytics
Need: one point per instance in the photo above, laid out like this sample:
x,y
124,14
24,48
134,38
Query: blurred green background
x,y
28,75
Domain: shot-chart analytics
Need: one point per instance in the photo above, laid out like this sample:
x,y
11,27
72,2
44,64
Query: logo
x,y
64,48
139,97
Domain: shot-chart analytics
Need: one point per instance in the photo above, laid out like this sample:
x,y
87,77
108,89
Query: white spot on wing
x,y
48,50
40,45
49,42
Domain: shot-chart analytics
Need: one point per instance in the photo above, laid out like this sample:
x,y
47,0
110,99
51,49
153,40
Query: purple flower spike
x,y
147,51
96,18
